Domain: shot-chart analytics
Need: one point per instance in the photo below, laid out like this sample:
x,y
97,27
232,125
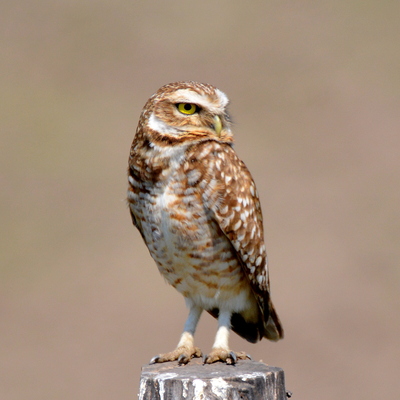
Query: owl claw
x,y
154,360
227,356
231,359
183,359
182,354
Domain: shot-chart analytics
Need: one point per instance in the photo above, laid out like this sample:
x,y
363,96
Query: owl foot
x,y
183,354
227,356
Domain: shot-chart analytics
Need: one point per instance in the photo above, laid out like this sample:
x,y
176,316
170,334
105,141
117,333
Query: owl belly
x,y
192,253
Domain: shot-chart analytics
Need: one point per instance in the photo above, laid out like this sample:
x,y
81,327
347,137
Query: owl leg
x,y
220,350
185,350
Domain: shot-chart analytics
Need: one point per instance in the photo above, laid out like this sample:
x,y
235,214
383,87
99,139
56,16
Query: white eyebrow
x,y
189,96
222,97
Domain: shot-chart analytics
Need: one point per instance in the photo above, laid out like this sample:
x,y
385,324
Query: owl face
x,y
189,110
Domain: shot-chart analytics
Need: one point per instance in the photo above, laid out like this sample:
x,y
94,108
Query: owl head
x,y
187,110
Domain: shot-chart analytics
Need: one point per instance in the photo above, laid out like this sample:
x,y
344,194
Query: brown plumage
x,y
197,208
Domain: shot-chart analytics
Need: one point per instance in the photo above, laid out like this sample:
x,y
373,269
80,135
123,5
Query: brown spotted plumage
x,y
197,208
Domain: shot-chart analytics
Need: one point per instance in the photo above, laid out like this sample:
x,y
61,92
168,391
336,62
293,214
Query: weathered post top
x,y
245,380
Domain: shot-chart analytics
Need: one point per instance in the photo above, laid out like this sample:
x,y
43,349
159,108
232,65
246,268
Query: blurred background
x,y
315,98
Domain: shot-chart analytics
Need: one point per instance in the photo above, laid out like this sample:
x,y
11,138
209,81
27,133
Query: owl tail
x,y
273,328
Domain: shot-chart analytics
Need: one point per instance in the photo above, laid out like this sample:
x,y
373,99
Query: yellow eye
x,y
187,108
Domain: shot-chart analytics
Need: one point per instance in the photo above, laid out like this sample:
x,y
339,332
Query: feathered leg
x,y
185,350
220,350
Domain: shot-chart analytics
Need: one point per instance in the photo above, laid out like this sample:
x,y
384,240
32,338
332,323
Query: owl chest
x,y
175,225
187,244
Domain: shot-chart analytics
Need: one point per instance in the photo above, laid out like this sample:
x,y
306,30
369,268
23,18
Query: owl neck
x,y
150,160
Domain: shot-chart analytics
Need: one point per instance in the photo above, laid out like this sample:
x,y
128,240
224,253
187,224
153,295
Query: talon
x,y
154,360
181,354
231,358
249,357
205,358
182,360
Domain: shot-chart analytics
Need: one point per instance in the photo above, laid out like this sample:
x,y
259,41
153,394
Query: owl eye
x,y
187,108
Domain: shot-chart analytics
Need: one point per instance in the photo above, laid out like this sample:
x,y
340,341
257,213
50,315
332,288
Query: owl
x,y
196,207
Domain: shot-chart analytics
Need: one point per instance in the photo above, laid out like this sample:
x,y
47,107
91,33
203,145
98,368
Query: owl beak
x,y
217,125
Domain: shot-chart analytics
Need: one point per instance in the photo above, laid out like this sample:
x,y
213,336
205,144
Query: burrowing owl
x,y
197,208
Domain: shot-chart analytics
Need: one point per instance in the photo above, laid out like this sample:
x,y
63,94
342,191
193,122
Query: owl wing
x,y
134,190
233,200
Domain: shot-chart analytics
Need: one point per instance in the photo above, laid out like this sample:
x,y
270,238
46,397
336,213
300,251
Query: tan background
x,y
315,97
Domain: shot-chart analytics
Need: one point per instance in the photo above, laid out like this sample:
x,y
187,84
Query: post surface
x,y
247,379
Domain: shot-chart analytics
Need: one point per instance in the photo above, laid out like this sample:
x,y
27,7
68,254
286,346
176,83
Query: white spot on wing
x,y
252,190
241,237
237,225
224,210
